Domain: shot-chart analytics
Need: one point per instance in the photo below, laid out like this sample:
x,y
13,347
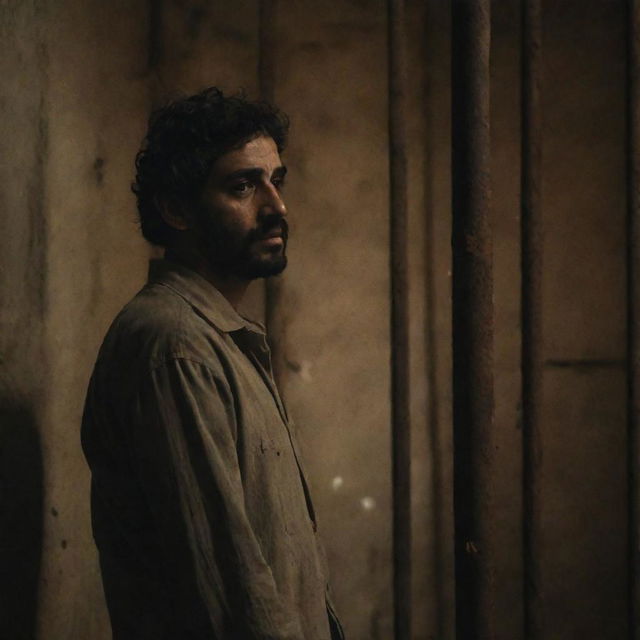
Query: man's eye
x,y
278,183
241,187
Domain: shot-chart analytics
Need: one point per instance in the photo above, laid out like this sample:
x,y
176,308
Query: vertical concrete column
x,y
633,188
531,315
398,220
472,321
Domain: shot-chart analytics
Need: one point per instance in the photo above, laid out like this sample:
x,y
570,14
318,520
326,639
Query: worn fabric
x,y
200,508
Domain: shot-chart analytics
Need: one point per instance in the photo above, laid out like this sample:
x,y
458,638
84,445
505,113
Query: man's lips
x,y
273,237
275,241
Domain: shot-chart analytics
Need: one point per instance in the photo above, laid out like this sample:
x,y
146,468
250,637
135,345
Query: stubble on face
x,y
231,251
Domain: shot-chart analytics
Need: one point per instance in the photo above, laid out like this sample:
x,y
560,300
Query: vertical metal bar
x,y
431,339
398,220
531,316
472,321
633,283
266,80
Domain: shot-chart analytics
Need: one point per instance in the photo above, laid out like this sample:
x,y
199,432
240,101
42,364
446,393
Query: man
x,y
200,509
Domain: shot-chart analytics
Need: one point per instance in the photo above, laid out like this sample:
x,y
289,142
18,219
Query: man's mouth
x,y
273,241
274,237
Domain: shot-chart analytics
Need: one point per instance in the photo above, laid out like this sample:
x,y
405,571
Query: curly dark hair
x,y
183,141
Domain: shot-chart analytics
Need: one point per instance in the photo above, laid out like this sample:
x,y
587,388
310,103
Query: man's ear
x,y
173,215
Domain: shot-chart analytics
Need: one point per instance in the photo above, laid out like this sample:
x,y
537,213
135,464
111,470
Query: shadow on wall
x,y
21,495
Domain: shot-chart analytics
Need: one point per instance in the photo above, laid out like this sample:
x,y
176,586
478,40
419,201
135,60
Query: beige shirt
x,y
201,512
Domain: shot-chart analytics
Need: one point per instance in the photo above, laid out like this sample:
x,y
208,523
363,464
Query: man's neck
x,y
231,287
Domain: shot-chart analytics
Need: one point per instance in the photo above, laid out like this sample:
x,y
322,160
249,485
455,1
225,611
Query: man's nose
x,y
273,202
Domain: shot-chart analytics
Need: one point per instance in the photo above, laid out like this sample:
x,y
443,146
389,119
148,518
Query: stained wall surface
x,y
22,242
79,80
94,261
74,98
585,484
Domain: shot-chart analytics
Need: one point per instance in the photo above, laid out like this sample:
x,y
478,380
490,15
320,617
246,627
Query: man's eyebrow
x,y
254,173
281,171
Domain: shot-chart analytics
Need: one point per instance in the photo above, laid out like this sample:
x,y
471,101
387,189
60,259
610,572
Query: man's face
x,y
241,225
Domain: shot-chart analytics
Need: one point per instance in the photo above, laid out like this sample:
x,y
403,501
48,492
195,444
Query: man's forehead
x,y
259,152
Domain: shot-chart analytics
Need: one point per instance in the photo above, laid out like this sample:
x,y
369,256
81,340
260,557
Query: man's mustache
x,y
268,225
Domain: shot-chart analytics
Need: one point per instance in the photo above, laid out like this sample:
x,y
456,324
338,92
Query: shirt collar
x,y
201,295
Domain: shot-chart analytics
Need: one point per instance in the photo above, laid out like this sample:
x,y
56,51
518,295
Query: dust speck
x,y
368,503
305,371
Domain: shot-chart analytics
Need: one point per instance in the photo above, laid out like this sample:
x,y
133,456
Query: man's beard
x,y
230,253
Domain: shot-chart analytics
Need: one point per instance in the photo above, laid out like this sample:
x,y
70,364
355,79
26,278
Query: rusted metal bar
x,y
633,283
437,568
472,322
398,220
531,316
267,43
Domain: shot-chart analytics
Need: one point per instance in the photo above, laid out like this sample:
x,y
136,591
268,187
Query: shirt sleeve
x,y
184,444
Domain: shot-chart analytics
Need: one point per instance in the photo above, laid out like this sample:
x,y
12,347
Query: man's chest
x,y
276,494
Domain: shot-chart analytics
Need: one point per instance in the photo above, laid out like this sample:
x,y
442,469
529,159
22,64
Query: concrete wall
x,y
22,291
74,101
79,79
96,102
585,484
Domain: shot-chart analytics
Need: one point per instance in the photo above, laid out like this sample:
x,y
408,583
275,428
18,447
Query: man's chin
x,y
266,267
248,265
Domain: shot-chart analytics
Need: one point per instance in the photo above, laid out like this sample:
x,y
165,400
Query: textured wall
x,y
96,102
78,80
23,149
335,293
74,98
585,485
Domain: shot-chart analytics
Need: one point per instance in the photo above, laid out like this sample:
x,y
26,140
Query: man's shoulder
x,y
155,309
158,324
